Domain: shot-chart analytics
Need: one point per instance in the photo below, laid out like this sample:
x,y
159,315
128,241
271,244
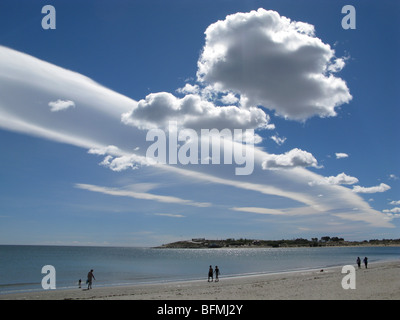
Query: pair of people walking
x,y
365,260
211,274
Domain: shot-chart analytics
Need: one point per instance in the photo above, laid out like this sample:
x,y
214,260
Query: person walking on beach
x,y
359,262
210,274
216,274
366,262
90,278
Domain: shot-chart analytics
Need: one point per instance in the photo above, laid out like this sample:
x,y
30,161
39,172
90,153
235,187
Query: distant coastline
x,y
202,243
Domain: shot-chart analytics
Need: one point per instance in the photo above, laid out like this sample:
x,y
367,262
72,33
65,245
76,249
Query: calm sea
x,y
20,266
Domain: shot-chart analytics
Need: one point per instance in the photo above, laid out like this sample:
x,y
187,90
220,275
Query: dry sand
x,y
381,281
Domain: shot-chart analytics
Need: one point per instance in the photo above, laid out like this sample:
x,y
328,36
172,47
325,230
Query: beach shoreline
x,y
381,281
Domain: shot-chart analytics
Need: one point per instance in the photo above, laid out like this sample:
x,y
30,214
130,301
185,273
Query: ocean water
x,y
20,266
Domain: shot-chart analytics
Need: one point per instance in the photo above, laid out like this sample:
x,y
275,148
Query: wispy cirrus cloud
x,y
299,211
139,195
171,215
27,84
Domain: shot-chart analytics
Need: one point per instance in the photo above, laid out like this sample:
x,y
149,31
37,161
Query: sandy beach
x,y
381,281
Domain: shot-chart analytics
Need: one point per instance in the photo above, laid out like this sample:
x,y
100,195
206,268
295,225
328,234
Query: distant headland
x,y
201,243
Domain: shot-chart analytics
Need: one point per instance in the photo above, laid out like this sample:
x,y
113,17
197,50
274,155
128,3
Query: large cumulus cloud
x,y
275,62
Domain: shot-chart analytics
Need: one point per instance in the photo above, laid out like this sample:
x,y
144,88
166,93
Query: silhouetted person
x,y
210,274
90,278
359,262
366,262
216,273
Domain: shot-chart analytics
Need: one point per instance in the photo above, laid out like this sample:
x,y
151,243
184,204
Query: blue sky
x,y
77,102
